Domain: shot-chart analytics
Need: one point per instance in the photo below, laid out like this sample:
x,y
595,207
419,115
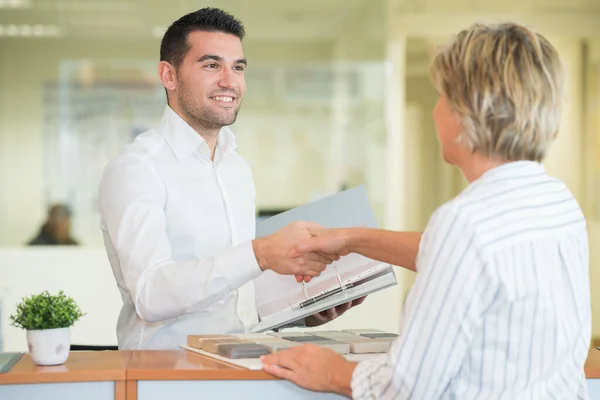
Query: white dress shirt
x,y
177,230
500,308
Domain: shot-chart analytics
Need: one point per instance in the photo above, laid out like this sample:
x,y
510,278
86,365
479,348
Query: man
x,y
177,205
56,230
500,308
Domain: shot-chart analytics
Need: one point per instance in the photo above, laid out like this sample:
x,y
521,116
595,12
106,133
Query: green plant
x,y
46,311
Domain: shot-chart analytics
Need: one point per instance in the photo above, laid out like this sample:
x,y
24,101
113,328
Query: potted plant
x,y
47,319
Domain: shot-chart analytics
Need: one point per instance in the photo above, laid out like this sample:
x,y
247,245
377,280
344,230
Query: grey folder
x,y
279,296
341,210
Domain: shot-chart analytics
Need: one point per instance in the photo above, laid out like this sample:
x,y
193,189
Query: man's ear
x,y
167,75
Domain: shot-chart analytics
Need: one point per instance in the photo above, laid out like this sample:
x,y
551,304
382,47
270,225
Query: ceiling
x,y
283,20
273,20
492,6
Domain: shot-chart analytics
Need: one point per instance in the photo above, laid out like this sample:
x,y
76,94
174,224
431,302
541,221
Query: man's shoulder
x,y
144,145
133,165
141,150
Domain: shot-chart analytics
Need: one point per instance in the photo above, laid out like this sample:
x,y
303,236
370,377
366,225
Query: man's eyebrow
x,y
214,57
210,57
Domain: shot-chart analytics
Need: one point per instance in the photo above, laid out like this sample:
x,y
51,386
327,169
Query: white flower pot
x,y
49,346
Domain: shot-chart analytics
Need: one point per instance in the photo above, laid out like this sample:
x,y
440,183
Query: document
x,y
281,300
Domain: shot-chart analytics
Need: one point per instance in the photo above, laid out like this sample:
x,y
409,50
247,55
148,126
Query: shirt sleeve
x,y
131,203
441,314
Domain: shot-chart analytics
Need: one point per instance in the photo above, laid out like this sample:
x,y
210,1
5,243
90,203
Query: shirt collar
x,y
508,171
513,168
184,140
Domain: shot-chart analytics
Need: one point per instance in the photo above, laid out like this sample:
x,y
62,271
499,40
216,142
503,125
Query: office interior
x,y
338,95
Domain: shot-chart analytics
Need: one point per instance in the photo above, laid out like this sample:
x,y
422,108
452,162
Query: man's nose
x,y
228,79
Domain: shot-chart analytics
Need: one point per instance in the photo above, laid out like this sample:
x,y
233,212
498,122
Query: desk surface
x,y
592,365
185,365
85,366
90,366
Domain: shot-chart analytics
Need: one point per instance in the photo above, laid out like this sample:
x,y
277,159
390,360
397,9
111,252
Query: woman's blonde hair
x,y
505,83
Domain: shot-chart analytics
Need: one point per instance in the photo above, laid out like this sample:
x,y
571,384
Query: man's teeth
x,y
222,98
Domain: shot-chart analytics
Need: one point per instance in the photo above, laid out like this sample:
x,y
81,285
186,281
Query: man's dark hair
x,y
174,45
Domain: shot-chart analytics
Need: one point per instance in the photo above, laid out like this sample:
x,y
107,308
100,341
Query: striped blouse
x,y
500,308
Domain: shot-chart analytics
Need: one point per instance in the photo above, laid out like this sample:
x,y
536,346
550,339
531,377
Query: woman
x,y
500,307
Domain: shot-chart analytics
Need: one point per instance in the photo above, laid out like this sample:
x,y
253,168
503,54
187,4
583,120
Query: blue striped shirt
x,y
500,308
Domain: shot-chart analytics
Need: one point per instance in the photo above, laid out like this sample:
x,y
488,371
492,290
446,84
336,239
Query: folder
x,y
281,300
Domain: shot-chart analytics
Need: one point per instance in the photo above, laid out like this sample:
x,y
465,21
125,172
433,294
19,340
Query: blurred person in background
x,y
56,230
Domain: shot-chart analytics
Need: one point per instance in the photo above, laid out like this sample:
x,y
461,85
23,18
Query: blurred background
x,y
338,95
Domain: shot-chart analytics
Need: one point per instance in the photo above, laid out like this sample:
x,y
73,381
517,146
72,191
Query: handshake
x,y
302,248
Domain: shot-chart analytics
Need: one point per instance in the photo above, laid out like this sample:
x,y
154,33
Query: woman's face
x,y
449,129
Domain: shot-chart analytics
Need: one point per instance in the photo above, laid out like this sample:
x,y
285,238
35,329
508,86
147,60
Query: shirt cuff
x,y
360,384
240,265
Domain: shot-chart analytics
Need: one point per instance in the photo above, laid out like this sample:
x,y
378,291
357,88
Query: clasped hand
x,y
329,243
289,252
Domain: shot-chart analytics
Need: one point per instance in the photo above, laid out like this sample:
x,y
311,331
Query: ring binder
x,y
337,273
325,295
304,290
278,298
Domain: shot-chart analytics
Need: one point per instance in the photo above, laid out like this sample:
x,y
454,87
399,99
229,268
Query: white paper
x,y
255,364
288,315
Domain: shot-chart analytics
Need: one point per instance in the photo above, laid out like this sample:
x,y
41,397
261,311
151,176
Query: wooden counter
x,y
81,366
592,365
154,375
100,375
184,365
144,375
592,373
157,365
148,375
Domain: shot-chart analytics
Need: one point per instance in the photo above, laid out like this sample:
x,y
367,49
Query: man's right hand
x,y
279,252
332,242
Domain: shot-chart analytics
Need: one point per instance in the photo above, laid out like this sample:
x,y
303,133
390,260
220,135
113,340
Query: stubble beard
x,y
203,117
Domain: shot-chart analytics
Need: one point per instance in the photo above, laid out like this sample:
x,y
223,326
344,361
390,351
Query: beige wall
x,y
570,158
592,175
273,135
430,184
30,65
565,158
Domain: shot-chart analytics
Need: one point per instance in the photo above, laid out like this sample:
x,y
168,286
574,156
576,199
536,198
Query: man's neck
x,y
211,141
210,136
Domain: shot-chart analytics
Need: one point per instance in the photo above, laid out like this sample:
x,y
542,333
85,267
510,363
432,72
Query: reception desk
x,y
144,375
153,375
85,375
592,373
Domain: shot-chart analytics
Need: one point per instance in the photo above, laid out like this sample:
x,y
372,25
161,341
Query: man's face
x,y
210,79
